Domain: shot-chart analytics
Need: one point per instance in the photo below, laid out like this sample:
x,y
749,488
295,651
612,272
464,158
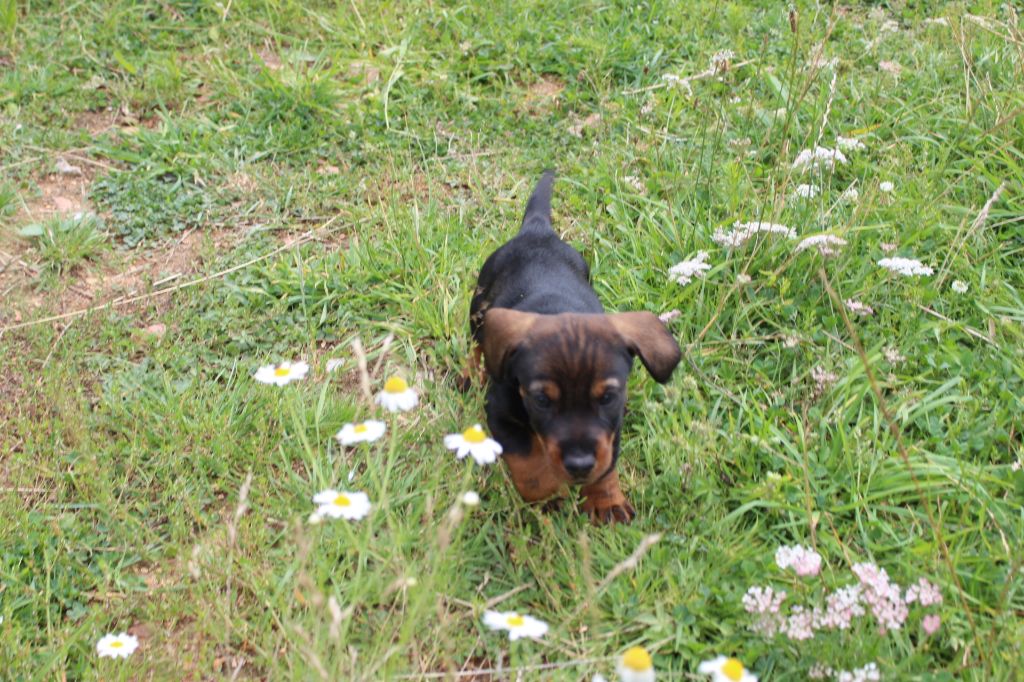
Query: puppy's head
x,y
571,371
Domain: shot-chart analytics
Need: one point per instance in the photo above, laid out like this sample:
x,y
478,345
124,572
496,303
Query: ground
x,y
192,190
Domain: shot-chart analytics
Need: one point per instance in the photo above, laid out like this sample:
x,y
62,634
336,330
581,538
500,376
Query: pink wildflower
x,y
841,607
924,592
800,624
766,603
803,560
930,623
887,605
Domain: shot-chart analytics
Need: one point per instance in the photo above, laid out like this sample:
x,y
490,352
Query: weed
x,y
67,241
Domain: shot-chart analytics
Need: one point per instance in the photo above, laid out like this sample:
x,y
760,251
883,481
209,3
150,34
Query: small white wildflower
x,y
826,244
1016,466
886,186
470,498
282,374
341,505
684,272
849,144
888,247
724,669
720,61
850,195
959,286
742,232
117,646
806,191
361,432
819,156
333,364
635,665
397,396
908,267
473,441
743,279
893,356
636,183
517,625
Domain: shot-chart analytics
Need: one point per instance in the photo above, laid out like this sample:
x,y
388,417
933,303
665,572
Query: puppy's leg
x,y
474,370
605,502
532,473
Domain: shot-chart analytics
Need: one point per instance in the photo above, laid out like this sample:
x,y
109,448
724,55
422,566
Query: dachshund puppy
x,y
557,364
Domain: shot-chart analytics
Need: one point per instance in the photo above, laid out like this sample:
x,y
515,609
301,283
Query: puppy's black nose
x,y
578,463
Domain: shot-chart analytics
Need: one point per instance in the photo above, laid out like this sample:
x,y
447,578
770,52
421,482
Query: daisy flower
x,y
724,669
959,286
908,267
117,646
684,272
279,375
473,441
886,186
363,432
341,505
635,665
518,625
397,396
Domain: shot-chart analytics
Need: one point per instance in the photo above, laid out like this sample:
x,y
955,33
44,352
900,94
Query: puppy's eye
x,y
608,397
541,400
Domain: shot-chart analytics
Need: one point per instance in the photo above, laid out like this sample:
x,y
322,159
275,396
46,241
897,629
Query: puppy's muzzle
x,y
578,461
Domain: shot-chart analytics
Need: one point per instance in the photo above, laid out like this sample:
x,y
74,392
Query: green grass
x,y
407,136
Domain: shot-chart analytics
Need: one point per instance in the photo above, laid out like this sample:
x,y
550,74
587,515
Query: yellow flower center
x,y
733,669
515,621
474,434
361,428
116,644
282,371
343,501
396,385
637,659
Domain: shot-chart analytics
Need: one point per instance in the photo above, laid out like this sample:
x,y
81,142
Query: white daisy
x,y
819,156
684,272
724,669
908,267
470,498
473,441
340,505
397,396
849,144
886,186
742,232
959,286
362,432
635,665
279,375
117,646
518,625
826,244
806,191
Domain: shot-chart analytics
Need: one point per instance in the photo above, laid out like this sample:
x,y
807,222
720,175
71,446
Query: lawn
x,y
192,190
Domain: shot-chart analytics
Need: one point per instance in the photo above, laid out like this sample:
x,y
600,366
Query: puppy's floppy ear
x,y
504,331
647,337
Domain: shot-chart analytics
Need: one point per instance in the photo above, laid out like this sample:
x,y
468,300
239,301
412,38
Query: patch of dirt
x,y
542,97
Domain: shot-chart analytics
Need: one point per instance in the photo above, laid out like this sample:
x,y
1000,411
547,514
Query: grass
x,y
359,162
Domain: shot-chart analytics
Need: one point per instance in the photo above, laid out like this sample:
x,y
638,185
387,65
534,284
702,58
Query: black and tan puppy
x,y
558,365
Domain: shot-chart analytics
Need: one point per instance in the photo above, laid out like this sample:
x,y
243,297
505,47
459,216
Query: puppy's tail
x,y
538,208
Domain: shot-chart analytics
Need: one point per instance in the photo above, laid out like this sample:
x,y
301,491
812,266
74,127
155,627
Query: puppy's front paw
x,y
603,512
605,502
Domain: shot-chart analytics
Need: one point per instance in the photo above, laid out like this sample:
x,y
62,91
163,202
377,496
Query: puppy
x,y
558,364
